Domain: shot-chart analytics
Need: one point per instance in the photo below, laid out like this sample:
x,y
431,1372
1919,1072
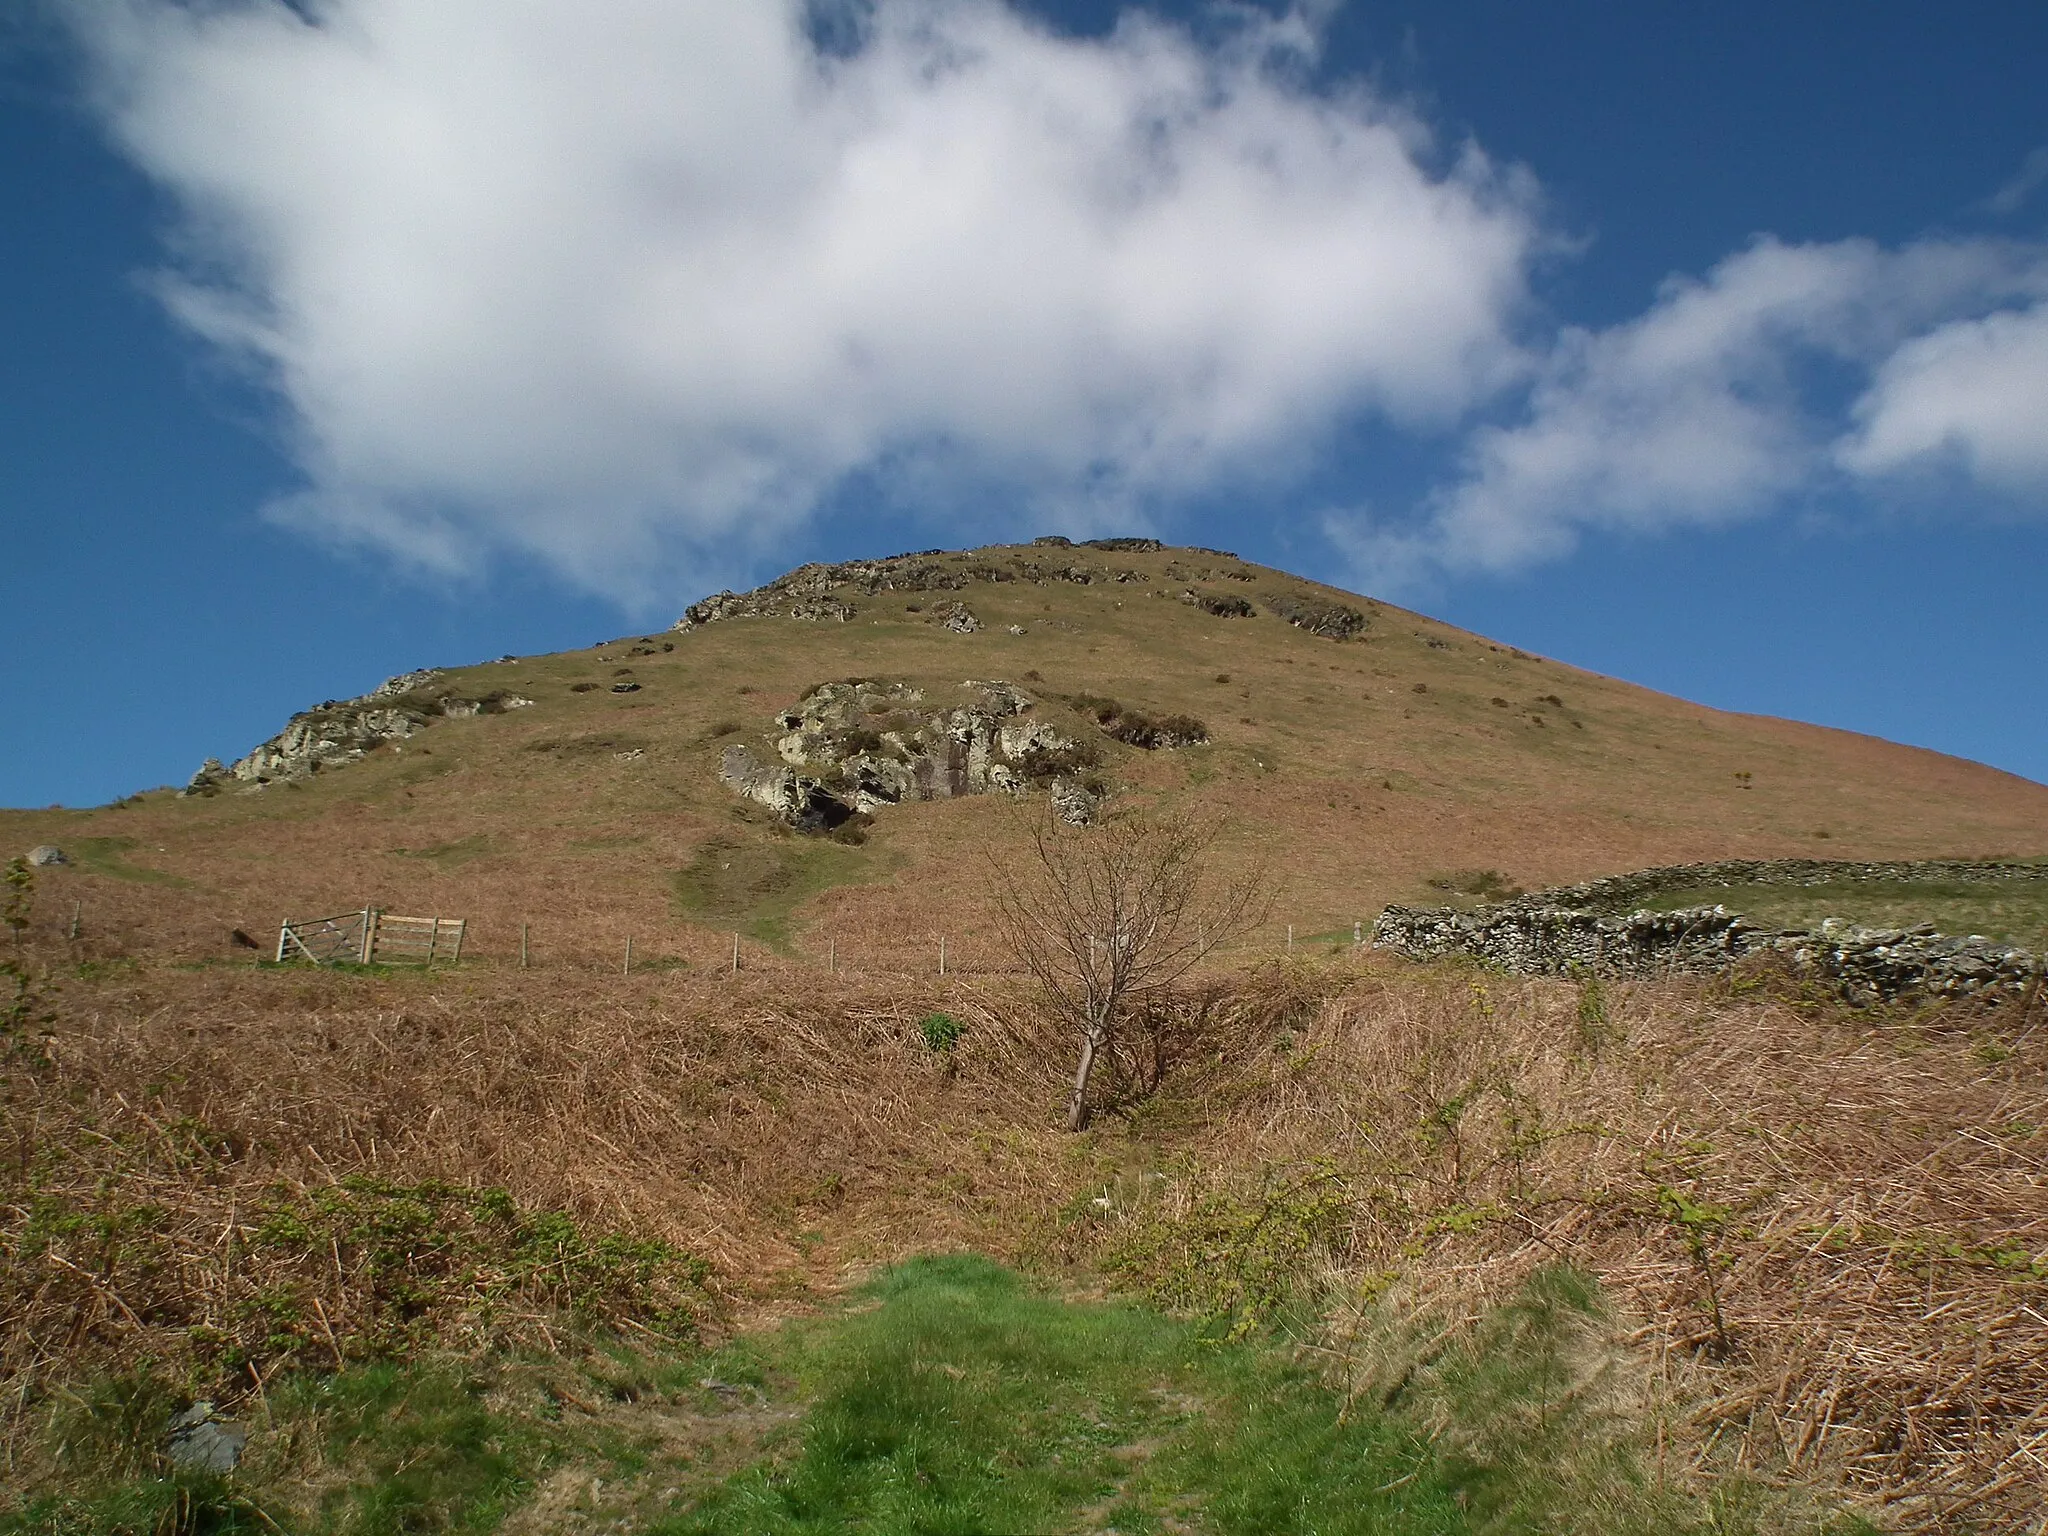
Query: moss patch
x,y
107,856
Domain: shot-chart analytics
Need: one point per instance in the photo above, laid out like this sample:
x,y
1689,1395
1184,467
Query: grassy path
x,y
965,1403
946,1398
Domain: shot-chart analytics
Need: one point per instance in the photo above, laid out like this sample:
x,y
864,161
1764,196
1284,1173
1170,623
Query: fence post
x,y
832,956
942,954
1357,934
75,908
1290,936
369,933
627,969
461,929
522,946
735,954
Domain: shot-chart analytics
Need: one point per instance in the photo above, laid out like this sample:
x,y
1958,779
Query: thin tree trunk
x,y
1077,1108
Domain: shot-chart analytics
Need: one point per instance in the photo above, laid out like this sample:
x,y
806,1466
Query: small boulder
x,y
46,855
201,1441
1073,802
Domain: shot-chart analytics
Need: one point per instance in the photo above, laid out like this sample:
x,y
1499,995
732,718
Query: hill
x,y
492,1243
580,792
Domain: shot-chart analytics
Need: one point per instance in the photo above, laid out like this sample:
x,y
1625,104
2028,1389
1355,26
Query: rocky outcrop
x,y
957,617
343,731
849,748
1135,728
1222,605
1579,929
1333,621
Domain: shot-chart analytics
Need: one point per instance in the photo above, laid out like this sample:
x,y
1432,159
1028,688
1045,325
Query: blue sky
x,y
1703,346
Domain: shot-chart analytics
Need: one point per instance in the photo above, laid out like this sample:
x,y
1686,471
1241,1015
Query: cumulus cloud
x,y
1725,398
627,286
1971,395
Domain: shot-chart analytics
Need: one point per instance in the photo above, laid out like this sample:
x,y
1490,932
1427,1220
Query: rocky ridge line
x,y
828,593
342,731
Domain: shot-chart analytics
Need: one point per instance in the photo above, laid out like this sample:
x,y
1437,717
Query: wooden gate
x,y
371,937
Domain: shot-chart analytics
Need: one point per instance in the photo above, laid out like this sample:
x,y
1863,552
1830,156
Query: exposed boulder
x,y
343,731
47,855
200,1440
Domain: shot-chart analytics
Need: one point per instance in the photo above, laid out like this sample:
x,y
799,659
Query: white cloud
x,y
1716,404
635,284
1970,395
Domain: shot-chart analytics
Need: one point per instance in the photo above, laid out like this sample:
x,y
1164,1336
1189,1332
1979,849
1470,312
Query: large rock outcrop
x,y
343,731
849,748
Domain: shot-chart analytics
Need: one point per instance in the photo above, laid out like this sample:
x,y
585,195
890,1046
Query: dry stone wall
x,y
1585,929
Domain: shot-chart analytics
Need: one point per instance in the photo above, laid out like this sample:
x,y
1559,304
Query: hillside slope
x,y
1373,747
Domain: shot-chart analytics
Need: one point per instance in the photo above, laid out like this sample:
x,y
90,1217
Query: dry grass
x,y
1866,1193
1831,1231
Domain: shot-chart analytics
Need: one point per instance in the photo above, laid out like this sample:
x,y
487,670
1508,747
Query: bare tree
x,y
1108,918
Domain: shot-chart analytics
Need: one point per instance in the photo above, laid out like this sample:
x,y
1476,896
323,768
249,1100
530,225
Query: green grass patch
x,y
108,856
2010,911
449,855
754,887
